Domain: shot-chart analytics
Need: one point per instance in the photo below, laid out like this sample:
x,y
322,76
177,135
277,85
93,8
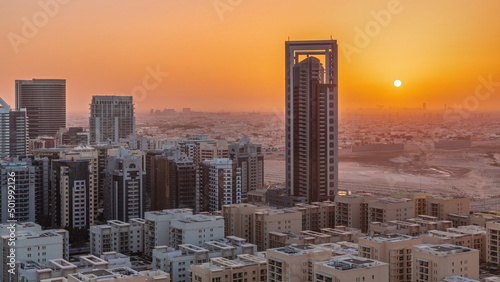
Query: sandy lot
x,y
472,172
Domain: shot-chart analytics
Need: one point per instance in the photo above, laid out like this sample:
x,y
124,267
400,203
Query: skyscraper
x,y
45,103
250,159
111,118
123,192
311,119
13,131
218,184
174,182
71,195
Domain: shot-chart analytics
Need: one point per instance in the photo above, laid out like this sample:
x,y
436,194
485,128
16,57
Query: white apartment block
x,y
435,262
158,227
177,262
118,236
34,245
350,268
196,230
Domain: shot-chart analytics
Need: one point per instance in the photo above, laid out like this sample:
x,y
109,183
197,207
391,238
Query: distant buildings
x,y
111,118
311,119
14,131
45,103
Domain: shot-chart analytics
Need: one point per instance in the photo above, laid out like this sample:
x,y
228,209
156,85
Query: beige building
x,y
441,206
239,220
124,274
350,268
352,210
493,243
412,226
419,200
294,263
477,218
317,215
394,249
388,209
270,220
245,268
435,262
471,236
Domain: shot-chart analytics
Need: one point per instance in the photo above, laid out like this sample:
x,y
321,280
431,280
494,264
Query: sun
x,y
397,83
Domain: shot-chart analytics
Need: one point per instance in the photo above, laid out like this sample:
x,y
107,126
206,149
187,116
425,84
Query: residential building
x,y
394,249
440,206
118,236
493,243
350,268
14,131
352,210
435,262
250,159
158,225
245,267
311,119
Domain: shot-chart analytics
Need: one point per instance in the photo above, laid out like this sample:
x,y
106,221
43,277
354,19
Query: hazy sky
x,y
229,54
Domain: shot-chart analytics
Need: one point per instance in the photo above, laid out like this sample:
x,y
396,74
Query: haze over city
x,y
228,56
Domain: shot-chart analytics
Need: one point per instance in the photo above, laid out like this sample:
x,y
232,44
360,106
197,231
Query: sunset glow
x,y
213,55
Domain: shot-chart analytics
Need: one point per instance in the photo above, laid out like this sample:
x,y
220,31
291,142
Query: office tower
x,y
71,193
218,184
311,119
174,182
20,176
123,188
111,118
45,103
250,159
13,131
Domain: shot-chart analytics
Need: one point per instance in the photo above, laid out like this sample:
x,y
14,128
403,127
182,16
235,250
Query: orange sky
x,y
232,59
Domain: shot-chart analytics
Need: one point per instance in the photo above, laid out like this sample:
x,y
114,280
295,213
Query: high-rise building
x,y
218,184
45,103
20,206
250,159
71,193
173,182
311,119
13,131
123,191
111,118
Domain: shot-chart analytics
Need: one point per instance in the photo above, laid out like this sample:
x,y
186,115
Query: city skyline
x,y
439,60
